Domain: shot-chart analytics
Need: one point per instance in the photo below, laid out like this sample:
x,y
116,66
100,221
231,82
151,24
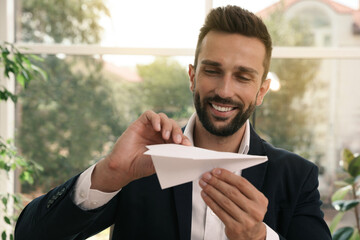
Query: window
x,y
102,72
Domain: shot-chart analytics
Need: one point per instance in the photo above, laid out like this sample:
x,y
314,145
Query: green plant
x,y
9,161
346,198
13,62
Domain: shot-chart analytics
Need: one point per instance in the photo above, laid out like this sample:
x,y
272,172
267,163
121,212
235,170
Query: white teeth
x,y
221,109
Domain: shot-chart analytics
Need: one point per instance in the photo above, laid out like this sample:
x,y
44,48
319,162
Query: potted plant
x,y
346,198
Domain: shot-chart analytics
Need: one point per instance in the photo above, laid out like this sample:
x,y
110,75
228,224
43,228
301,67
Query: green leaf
x,y
341,193
4,200
37,58
345,205
7,220
3,235
26,60
336,221
38,70
25,176
354,167
343,233
347,156
25,73
355,235
20,79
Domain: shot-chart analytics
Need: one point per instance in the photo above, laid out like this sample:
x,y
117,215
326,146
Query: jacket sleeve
x,y
55,216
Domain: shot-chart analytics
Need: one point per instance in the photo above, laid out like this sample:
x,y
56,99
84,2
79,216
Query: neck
x,y
204,139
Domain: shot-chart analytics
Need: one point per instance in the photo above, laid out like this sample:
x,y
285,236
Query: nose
x,y
224,88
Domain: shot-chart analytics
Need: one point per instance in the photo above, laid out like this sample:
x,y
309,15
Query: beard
x,y
230,128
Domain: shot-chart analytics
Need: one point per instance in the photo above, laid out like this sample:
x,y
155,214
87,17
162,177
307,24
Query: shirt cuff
x,y
89,199
271,234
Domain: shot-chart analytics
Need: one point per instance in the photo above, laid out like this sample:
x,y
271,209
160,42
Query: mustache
x,y
219,99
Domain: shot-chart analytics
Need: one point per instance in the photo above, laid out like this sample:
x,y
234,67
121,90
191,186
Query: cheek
x,y
205,85
249,96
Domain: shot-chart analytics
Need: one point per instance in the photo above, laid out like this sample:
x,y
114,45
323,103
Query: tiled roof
x,y
337,7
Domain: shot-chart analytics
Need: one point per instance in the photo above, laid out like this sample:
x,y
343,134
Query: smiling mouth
x,y
222,108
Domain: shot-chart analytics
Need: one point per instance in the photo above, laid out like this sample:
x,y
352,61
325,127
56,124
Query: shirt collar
x,y
244,145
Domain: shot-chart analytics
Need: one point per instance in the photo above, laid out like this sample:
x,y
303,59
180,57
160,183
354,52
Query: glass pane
x,y
253,6
307,23
138,23
159,23
314,112
71,120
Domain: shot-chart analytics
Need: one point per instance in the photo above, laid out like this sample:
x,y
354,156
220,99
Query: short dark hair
x,y
234,19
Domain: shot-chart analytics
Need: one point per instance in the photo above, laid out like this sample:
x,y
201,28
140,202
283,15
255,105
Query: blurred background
x,y
107,61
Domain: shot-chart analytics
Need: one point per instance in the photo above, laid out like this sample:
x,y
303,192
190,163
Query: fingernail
x,y
167,134
207,176
217,171
178,138
203,194
202,183
186,142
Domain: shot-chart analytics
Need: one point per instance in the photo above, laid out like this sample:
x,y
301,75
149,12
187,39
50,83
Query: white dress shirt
x,y
205,224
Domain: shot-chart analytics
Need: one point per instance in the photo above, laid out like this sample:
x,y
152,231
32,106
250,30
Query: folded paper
x,y
176,164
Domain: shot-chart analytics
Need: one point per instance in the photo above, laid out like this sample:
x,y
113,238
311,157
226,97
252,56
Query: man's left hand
x,y
237,203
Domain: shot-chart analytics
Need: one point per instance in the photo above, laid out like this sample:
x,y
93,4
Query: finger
x,y
229,204
255,208
170,128
234,228
166,126
152,118
241,183
217,209
186,141
177,134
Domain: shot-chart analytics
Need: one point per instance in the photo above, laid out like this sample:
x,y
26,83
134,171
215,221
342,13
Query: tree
x,y
75,116
61,21
68,120
283,118
165,88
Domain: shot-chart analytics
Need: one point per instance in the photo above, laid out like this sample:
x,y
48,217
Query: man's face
x,y
227,82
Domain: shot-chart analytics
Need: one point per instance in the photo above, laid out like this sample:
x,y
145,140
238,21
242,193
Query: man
x,y
274,200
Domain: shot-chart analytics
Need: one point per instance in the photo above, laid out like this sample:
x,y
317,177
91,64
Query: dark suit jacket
x,y
141,210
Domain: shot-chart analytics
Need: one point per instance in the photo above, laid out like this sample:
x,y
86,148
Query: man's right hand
x,y
127,161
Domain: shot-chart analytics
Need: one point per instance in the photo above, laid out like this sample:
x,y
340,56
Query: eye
x,y
212,71
242,77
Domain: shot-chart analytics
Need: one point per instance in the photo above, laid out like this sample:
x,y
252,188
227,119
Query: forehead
x,y
233,50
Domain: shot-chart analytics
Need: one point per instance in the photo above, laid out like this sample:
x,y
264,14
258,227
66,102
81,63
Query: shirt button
x,y
94,203
212,213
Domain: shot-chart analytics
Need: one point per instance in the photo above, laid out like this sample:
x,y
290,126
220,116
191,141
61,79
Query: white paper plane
x,y
176,164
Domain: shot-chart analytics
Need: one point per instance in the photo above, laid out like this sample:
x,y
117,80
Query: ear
x,y
192,77
264,88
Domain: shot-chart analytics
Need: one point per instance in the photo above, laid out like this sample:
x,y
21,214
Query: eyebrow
x,y
210,62
239,68
247,70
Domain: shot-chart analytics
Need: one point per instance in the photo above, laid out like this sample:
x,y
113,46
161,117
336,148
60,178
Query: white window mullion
x,y
7,109
278,52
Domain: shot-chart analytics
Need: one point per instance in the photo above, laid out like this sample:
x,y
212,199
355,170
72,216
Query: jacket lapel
x,y
183,204
256,174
